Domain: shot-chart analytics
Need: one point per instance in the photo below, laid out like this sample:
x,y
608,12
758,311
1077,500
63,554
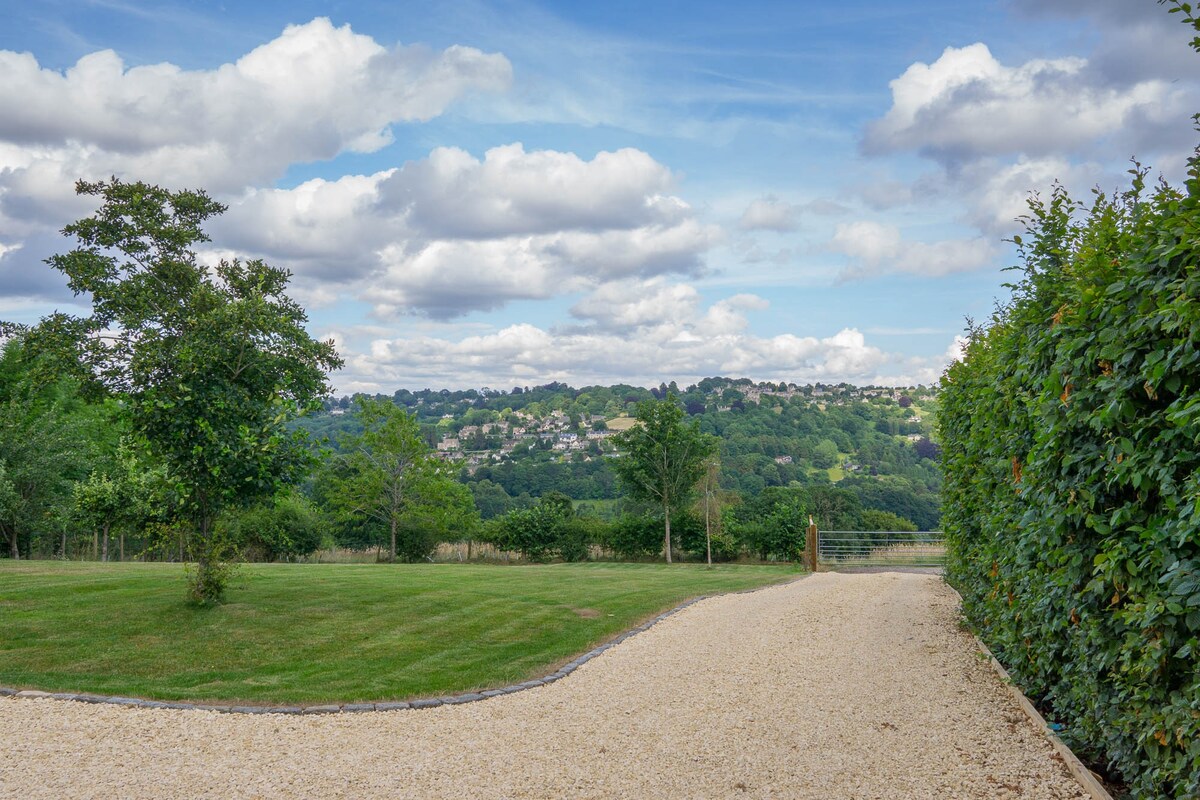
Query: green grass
x,y
308,633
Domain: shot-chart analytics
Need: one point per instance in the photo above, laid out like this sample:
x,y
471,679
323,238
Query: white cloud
x,y
624,306
878,249
450,233
769,214
914,371
511,191
967,104
1000,192
957,349
308,95
523,353
311,93
643,332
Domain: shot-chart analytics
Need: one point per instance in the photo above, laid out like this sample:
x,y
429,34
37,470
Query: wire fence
x,y
881,548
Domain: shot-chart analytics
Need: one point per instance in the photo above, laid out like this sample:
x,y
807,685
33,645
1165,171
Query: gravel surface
x,y
835,686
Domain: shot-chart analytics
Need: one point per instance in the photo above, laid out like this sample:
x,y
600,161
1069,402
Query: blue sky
x,y
509,193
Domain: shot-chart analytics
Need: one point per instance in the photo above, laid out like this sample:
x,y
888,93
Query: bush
x,y
1072,465
773,526
635,537
416,540
547,529
284,527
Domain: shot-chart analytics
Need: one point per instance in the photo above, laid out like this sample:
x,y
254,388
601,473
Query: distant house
x,y
450,444
783,459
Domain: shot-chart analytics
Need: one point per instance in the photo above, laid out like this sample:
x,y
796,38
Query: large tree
x,y
663,458
211,363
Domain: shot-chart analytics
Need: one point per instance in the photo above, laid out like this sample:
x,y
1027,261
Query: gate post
x,y
810,546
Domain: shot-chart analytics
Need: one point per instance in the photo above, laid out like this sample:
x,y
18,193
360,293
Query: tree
x,y
664,458
211,364
712,472
99,502
392,477
875,520
44,446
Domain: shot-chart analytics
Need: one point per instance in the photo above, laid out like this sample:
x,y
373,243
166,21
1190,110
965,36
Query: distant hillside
x,y
519,444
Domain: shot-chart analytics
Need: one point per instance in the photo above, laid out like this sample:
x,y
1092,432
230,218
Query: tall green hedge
x,y
1071,449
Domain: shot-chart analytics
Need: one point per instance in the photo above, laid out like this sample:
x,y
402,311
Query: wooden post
x,y
810,546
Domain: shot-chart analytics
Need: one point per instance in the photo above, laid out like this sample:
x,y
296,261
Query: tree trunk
x,y
13,549
469,543
104,544
63,550
95,545
121,546
392,549
667,531
707,526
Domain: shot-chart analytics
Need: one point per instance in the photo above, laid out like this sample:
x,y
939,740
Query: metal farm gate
x,y
880,549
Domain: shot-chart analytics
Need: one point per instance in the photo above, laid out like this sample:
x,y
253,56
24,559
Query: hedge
x,y
1071,451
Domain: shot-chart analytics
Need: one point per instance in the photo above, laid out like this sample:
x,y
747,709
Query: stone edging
x,y
1078,770
335,708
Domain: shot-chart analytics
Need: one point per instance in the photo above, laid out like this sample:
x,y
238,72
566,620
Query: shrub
x,y
285,527
635,536
544,530
416,540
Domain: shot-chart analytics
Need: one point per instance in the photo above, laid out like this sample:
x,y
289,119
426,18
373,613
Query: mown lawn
x,y
308,633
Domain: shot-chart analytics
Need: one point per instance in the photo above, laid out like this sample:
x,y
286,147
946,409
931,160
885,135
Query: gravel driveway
x,y
834,686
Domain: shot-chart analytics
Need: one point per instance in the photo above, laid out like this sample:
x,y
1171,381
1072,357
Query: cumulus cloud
x,y
1136,42
311,93
1001,191
878,249
769,214
626,306
632,344
511,191
968,105
315,91
916,370
450,234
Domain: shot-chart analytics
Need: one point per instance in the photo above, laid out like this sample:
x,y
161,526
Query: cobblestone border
x,y
337,708
1084,776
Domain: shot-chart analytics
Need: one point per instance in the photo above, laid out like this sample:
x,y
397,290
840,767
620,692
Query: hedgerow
x,y
1071,451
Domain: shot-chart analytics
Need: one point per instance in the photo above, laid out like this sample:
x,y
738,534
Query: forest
x,y
75,484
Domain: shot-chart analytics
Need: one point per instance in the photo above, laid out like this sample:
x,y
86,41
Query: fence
x,y
874,549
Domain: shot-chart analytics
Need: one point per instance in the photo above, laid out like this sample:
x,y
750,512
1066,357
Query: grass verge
x,y
308,633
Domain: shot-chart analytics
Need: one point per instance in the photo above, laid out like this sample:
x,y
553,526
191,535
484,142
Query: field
x,y
309,633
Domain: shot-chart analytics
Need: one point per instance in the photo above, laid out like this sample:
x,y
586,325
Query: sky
x,y
498,194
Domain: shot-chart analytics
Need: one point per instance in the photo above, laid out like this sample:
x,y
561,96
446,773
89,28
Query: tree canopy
x,y
664,458
388,474
210,363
